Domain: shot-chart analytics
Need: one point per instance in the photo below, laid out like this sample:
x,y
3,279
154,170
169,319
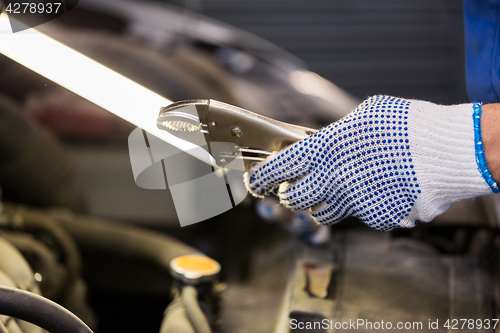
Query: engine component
x,y
122,240
298,222
372,277
42,260
194,269
13,264
19,218
98,235
176,319
15,272
196,316
197,298
72,232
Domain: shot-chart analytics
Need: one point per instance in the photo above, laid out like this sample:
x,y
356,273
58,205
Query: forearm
x,y
490,131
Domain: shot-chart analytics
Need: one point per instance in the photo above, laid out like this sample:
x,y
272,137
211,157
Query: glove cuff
x,y
446,146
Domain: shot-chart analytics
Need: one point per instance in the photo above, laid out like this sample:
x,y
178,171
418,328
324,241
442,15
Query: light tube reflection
x,y
91,80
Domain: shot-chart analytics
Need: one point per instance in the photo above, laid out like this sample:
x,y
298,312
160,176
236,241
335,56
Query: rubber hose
x,y
40,311
176,320
3,329
48,266
123,240
196,317
33,221
34,167
16,267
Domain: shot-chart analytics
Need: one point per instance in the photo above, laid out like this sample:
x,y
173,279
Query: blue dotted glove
x,y
391,162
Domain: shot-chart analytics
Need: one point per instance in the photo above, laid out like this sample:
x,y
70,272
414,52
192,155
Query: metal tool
x,y
250,136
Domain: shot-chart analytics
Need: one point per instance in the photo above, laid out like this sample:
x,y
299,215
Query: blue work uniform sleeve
x,y
482,44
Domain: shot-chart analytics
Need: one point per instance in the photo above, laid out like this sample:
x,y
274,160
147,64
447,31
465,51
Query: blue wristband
x,y
478,142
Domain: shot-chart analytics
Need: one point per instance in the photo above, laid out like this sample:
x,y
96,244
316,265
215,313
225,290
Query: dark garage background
x,y
406,48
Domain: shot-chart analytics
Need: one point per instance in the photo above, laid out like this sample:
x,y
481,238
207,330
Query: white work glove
x,y
391,162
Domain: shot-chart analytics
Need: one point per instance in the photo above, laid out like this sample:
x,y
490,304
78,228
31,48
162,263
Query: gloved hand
x,y
391,162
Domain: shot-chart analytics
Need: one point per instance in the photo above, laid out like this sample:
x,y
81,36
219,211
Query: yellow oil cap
x,y
194,268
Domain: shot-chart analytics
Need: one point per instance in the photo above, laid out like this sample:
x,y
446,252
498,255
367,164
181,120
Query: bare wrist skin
x,y
490,132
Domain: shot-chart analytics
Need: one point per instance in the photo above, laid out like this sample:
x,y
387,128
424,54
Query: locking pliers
x,y
250,136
